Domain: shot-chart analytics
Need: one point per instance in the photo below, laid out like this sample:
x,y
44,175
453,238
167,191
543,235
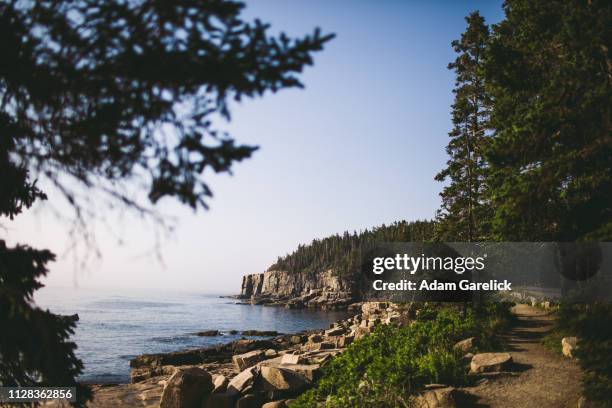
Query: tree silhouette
x,y
100,93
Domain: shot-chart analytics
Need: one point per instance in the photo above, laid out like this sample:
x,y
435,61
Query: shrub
x,y
393,363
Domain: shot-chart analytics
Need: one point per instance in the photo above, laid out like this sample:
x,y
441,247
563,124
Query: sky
x,y
357,147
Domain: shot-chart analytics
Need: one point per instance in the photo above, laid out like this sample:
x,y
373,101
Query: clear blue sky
x,y
358,147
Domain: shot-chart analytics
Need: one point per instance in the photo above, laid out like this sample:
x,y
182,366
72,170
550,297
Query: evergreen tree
x,y
343,253
463,215
550,74
111,94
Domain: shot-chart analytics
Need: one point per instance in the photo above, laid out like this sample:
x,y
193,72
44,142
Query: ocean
x,y
115,326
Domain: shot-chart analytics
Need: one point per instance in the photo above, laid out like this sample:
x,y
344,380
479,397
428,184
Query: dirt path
x,y
542,379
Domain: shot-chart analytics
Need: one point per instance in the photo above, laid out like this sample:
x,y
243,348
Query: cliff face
x,y
323,289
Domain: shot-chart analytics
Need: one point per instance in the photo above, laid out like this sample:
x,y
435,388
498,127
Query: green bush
x,y
592,324
387,367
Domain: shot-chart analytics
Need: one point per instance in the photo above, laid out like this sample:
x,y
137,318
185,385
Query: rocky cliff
x,y
324,289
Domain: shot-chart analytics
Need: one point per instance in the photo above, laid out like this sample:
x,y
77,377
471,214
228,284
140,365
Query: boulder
x,y
341,341
309,371
260,333
315,338
465,346
275,404
437,397
246,360
569,345
291,359
220,383
362,332
270,353
490,362
240,382
282,379
249,401
297,339
325,345
221,400
335,331
186,388
208,333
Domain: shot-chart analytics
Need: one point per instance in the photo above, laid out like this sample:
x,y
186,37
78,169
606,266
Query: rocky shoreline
x,y
243,373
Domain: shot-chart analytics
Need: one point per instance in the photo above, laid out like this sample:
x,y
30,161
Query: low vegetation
x,y
394,363
591,324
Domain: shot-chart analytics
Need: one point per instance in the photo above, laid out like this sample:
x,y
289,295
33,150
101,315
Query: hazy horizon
x,y
358,147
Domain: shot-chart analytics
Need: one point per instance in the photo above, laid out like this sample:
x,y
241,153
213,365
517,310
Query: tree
x,y
550,74
112,93
463,215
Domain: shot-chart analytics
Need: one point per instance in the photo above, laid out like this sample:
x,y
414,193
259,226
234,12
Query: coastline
x,y
302,353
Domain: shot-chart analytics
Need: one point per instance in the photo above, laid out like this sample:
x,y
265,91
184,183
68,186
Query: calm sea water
x,y
116,326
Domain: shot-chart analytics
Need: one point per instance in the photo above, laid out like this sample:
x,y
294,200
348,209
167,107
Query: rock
x,y
142,374
291,359
260,333
275,404
208,333
372,308
442,397
336,331
309,371
297,339
282,379
546,305
325,345
314,290
246,360
220,384
244,345
467,357
240,382
186,388
362,332
249,401
490,362
221,400
233,332
270,353
569,345
465,346
341,341
315,338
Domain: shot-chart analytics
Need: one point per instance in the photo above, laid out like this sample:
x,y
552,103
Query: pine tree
x,y
463,215
550,74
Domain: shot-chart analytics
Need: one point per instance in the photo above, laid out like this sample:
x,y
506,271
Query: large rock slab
x,y
186,388
249,359
240,382
220,383
490,362
282,379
